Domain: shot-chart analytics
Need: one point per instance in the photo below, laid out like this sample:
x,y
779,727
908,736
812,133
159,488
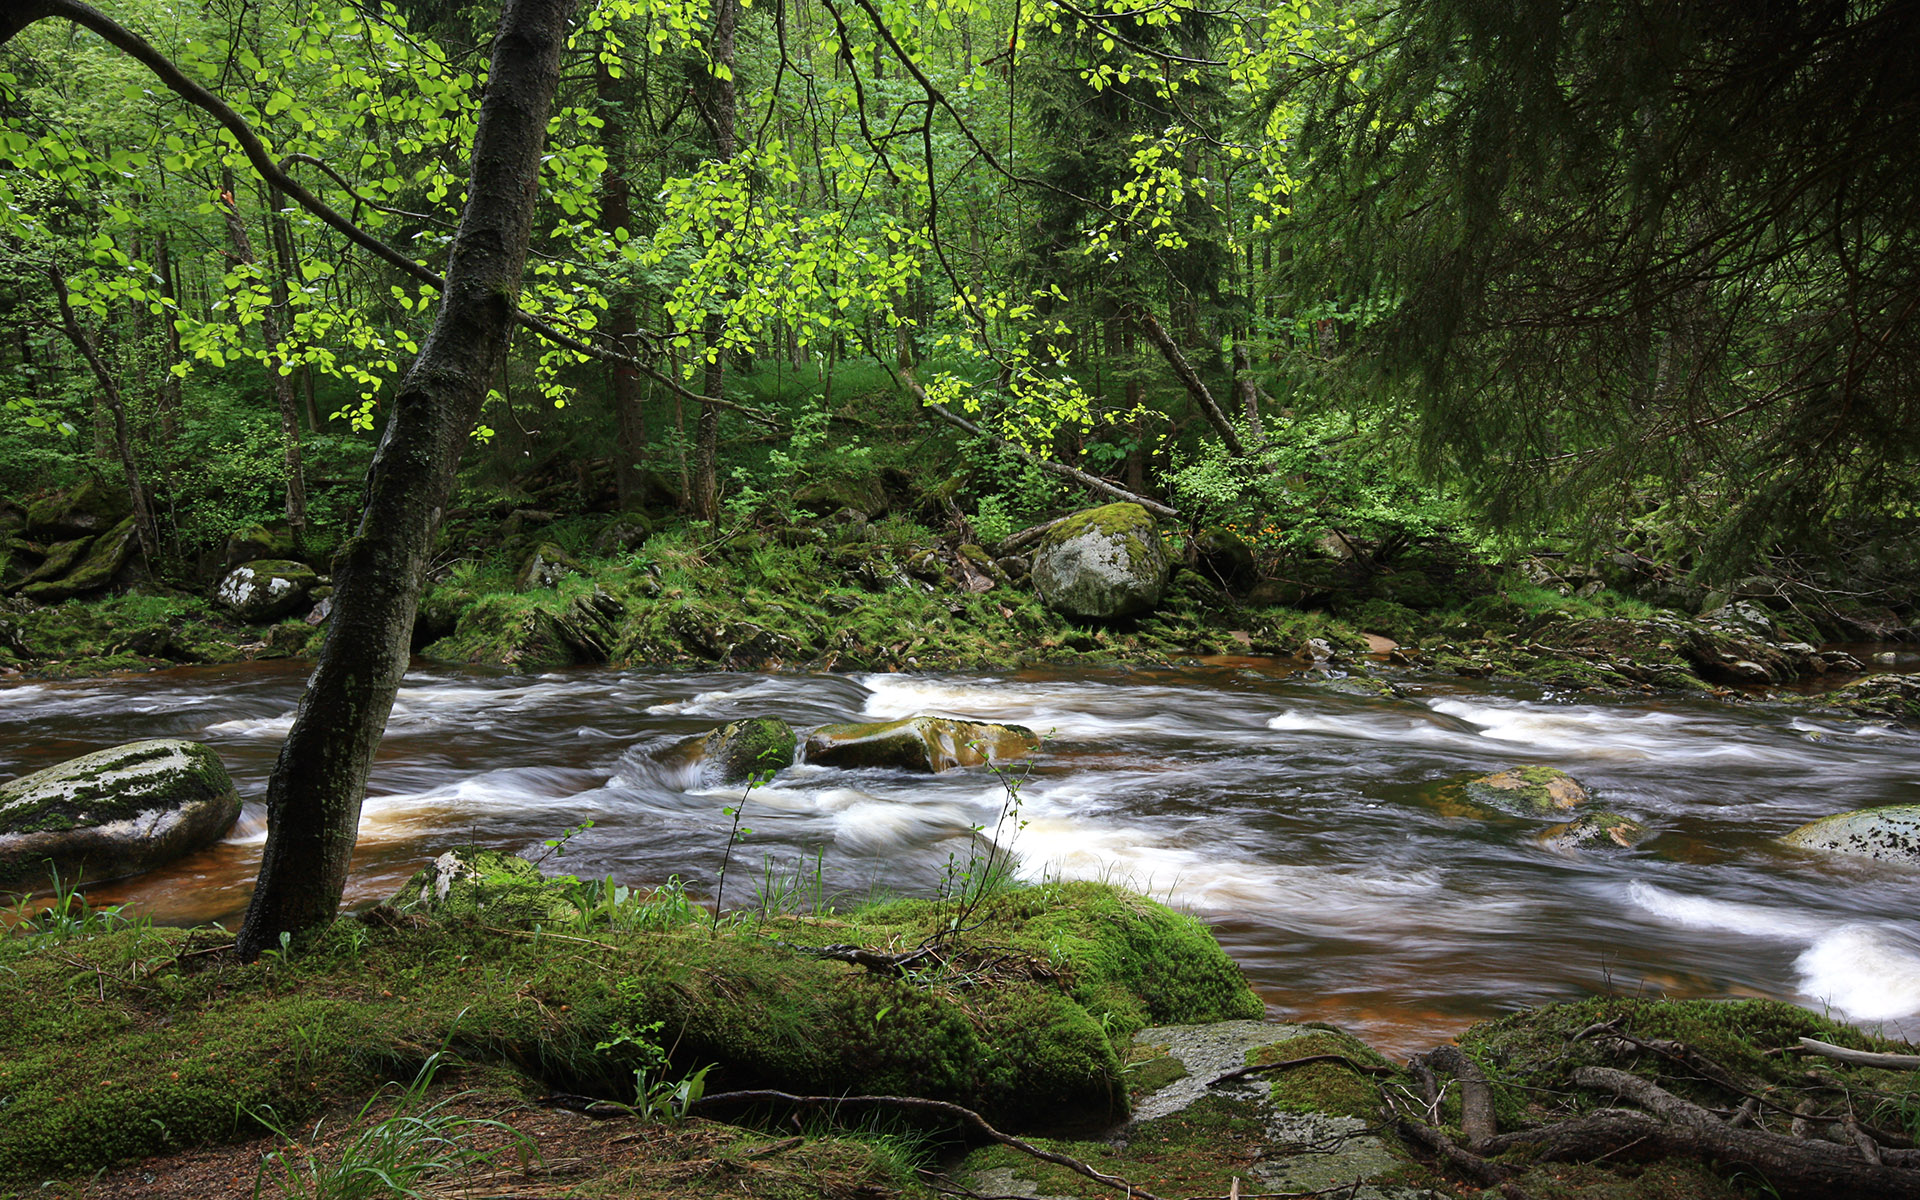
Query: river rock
x,y
928,744
108,553
1891,833
743,748
1102,563
1592,829
113,813
1528,791
87,511
546,566
266,590
487,885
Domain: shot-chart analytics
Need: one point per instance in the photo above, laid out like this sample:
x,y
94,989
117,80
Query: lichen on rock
x,y
1102,563
113,813
1528,791
1890,833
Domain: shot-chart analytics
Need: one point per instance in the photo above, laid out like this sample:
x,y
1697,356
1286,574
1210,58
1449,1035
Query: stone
x,y
743,748
87,511
545,567
61,558
1890,833
1102,563
1599,829
255,542
103,560
488,886
926,744
113,813
822,496
1528,791
266,590
625,534
1224,556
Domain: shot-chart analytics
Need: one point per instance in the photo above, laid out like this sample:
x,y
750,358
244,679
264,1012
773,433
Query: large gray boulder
x,y
1891,833
1102,563
927,744
113,813
266,589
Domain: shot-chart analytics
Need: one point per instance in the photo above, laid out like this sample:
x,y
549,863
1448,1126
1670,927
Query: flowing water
x,y
1311,828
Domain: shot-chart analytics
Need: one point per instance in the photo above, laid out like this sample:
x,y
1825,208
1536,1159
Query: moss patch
x,y
1325,1087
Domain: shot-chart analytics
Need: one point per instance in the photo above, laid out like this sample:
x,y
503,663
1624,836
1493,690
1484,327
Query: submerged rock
x,y
267,589
1528,791
1891,833
1102,563
1592,829
929,744
113,813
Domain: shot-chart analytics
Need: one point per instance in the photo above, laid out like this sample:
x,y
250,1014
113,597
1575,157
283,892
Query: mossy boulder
x,y
87,511
1223,556
823,496
1890,833
1595,829
113,813
544,567
253,543
739,749
266,590
928,744
60,558
1102,563
490,886
1528,791
103,560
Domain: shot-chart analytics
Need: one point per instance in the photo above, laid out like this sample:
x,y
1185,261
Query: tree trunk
x,y
623,318
122,441
721,106
272,331
318,784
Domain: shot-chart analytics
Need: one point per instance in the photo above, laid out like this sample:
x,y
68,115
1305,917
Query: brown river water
x,y
1305,825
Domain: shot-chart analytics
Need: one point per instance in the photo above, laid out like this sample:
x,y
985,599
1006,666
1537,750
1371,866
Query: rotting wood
x,y
1861,1058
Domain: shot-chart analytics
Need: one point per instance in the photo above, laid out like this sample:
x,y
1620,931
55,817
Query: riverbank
x,y
556,1039
533,591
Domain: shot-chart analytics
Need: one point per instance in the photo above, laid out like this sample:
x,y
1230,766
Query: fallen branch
x,y
1861,1058
940,1108
1343,1060
1477,1124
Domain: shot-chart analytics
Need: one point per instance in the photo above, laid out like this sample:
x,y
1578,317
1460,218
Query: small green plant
x,y
69,915
803,889
737,834
604,904
557,846
988,873
393,1157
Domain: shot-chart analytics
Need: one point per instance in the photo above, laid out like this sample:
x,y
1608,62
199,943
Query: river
x,y
1308,826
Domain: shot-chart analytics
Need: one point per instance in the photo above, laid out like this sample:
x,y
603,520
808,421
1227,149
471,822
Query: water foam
x,y
1864,971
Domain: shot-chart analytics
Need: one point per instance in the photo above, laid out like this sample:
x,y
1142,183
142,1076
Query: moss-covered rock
x,y
113,813
87,511
929,744
60,558
491,886
104,558
740,749
1890,833
252,543
546,565
1224,555
265,590
1102,563
1528,791
1595,829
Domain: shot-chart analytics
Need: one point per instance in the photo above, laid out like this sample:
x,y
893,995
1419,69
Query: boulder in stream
x,y
266,589
1528,791
1890,833
1102,563
928,744
113,813
1596,829
739,749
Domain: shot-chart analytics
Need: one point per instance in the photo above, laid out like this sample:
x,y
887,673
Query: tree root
x,y
966,1117
1343,1060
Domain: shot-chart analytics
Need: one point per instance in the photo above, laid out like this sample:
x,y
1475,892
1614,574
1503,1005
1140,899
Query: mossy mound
x,y
118,1046
125,632
1322,1087
488,886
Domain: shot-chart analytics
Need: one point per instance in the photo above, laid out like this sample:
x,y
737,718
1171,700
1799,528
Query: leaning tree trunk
x,y
320,779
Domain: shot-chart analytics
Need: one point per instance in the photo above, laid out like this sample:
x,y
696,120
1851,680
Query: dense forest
x,y
1397,271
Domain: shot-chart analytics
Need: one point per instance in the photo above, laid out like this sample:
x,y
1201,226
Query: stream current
x,y
1309,827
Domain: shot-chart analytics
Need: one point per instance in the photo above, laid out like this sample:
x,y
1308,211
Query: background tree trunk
x,y
320,779
721,106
